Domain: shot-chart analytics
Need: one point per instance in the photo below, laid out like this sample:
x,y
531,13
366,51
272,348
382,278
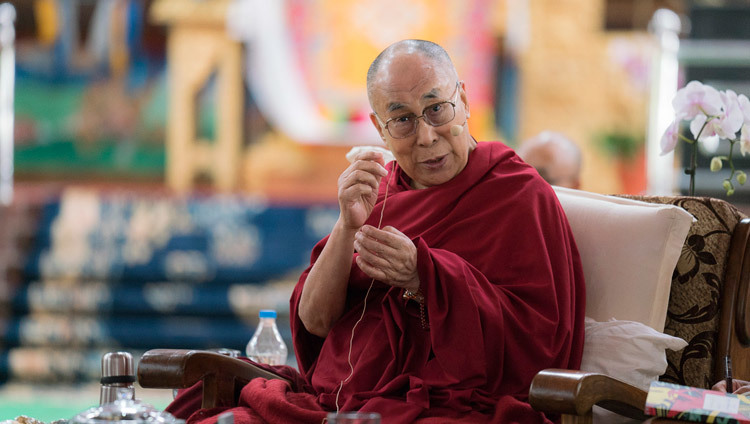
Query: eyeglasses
x,y
435,115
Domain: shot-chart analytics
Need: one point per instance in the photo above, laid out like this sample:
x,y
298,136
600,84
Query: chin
x,y
435,180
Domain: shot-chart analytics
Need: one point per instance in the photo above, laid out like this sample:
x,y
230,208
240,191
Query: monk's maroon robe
x,y
504,297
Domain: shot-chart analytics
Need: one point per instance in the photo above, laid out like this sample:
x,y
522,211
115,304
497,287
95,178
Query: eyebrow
x,y
395,106
432,94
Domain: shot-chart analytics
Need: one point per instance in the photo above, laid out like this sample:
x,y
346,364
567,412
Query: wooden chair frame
x,y
223,377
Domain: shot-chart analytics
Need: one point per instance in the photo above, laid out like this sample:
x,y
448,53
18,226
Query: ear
x,y
464,98
376,123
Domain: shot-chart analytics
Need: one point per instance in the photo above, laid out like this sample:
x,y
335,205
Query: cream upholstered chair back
x,y
628,250
661,261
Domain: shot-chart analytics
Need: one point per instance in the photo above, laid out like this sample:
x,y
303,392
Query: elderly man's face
x,y
407,85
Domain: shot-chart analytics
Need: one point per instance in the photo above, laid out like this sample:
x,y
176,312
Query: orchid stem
x,y
694,159
693,166
685,139
731,163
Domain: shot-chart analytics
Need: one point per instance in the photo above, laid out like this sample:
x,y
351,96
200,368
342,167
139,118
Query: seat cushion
x,y
628,250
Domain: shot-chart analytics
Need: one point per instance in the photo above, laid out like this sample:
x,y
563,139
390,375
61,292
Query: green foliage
x,y
620,145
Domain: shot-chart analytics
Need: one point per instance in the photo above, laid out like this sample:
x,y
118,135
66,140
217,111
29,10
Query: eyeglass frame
x,y
452,103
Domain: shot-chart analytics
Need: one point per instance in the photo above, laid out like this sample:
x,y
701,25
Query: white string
x,y
364,305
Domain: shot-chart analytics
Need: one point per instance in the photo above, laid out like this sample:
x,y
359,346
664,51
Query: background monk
x,y
555,157
471,285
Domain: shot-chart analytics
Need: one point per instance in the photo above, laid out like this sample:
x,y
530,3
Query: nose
x,y
426,134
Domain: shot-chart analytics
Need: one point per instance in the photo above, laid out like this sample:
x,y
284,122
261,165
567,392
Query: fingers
x,y
387,255
384,243
375,167
366,166
376,252
387,235
403,277
359,180
364,172
358,190
738,386
371,270
370,155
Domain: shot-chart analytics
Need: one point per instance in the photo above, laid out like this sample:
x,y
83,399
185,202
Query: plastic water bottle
x,y
266,346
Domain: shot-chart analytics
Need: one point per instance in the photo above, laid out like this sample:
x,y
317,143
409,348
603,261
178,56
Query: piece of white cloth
x,y
628,351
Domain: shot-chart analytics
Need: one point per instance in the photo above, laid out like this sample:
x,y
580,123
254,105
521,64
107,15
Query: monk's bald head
x,y
427,49
555,157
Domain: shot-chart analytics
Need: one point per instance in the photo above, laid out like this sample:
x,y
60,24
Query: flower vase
x,y
632,173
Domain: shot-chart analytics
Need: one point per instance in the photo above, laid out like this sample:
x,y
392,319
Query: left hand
x,y
387,255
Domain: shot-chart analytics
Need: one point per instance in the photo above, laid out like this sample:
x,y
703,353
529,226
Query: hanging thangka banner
x,y
307,61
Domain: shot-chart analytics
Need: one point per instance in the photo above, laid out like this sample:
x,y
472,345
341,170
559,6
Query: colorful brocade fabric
x,y
697,287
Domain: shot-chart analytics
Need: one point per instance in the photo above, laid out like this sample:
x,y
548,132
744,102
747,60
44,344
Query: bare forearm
x,y
324,294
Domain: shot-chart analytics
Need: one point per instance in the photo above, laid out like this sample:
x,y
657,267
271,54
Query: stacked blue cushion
x,y
134,272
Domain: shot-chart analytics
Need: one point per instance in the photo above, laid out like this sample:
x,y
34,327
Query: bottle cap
x,y
117,372
117,364
267,313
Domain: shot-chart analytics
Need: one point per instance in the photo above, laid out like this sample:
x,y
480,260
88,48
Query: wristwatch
x,y
413,295
418,297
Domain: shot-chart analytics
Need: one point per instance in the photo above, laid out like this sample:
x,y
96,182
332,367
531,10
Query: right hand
x,y
358,188
739,387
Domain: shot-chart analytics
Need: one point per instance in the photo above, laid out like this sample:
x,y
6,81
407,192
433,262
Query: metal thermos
x,y
117,375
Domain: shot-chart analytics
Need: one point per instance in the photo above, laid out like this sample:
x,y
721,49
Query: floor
x,y
48,402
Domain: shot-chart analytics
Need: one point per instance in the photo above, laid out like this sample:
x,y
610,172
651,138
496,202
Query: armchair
x,y
708,301
707,307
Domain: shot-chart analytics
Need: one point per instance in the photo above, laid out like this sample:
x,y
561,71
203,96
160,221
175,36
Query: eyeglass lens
x,y
435,115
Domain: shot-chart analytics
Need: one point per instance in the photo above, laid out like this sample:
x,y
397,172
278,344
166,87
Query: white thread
x,y
364,304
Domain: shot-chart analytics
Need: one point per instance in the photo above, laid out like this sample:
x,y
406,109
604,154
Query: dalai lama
x,y
449,280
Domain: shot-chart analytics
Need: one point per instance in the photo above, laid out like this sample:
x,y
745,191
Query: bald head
x,y
428,49
555,157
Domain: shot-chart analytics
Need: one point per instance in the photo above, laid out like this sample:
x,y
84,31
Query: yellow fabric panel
x,y
46,12
118,49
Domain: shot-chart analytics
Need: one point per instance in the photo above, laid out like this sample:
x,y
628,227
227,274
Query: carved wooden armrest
x,y
223,377
574,393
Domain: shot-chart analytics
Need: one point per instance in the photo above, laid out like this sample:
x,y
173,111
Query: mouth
x,y
435,162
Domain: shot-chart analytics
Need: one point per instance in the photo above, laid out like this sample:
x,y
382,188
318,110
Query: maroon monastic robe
x,y
504,297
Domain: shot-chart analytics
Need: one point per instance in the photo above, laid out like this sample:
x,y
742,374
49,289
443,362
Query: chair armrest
x,y
223,377
570,392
